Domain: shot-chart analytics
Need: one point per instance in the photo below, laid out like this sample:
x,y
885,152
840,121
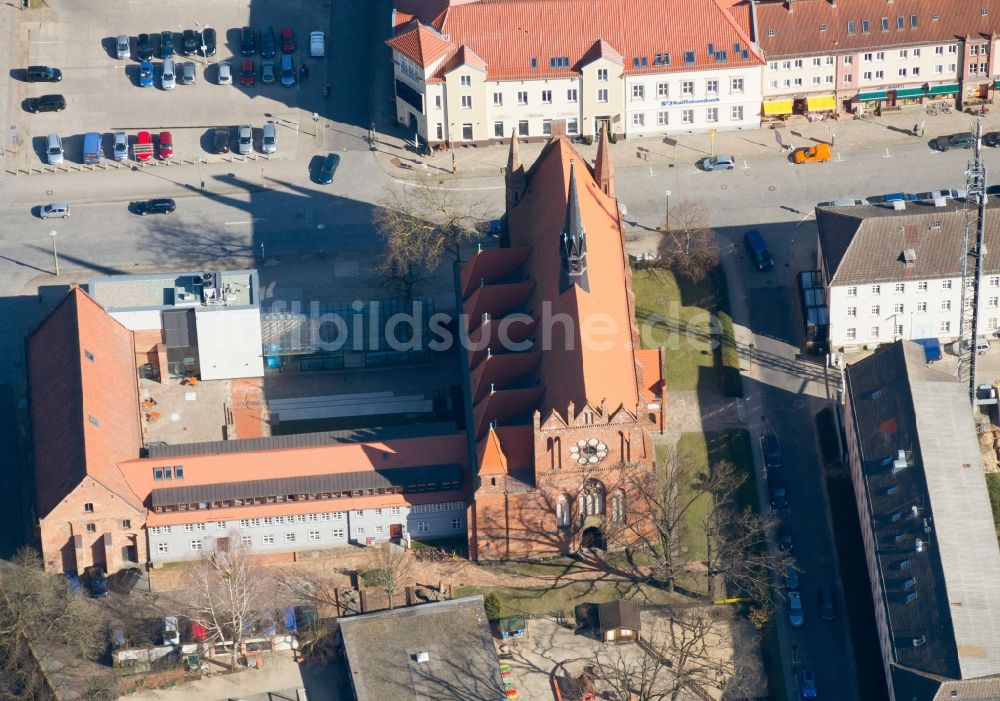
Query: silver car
x,y
267,72
245,139
269,138
225,73
189,73
121,146
53,149
122,48
720,162
168,81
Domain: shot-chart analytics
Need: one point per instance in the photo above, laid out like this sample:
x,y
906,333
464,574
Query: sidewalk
x,y
395,155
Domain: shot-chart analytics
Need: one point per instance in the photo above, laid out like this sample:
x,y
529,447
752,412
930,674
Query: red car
x,y
199,633
287,41
142,149
166,145
247,73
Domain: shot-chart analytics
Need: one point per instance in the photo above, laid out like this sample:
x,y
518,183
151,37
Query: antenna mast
x,y
972,264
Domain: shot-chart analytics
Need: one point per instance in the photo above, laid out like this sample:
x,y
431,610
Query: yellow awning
x,y
821,104
773,108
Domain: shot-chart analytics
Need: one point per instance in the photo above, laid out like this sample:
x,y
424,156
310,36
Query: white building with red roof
x,y
475,72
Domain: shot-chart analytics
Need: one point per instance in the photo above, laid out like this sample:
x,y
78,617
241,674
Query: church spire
x,y
514,177
574,241
604,169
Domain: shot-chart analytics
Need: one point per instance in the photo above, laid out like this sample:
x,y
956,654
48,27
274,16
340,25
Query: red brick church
x,y
561,397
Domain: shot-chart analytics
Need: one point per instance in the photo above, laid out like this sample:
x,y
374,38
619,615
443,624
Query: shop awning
x,y
821,104
951,89
910,92
874,95
996,83
773,108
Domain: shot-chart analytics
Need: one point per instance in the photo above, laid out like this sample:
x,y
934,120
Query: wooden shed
x,y
619,621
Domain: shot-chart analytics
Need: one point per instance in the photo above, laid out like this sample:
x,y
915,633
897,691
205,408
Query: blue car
x,y
807,684
146,74
73,583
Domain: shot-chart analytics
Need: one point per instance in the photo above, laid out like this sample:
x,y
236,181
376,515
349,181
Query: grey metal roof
x,y
461,665
864,244
303,440
898,403
313,484
911,685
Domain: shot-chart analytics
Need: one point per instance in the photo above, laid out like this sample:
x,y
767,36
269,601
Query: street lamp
x,y
666,221
55,250
315,124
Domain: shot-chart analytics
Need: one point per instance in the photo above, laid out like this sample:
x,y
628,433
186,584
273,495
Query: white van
x,y
53,149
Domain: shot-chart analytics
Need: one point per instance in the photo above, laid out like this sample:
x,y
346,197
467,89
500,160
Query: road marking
x,y
887,154
745,165
839,159
651,171
251,221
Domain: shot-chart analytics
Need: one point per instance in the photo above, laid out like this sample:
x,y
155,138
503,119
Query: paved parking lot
x,y
103,94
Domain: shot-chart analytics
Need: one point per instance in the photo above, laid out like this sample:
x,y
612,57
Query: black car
x,y
248,41
43,74
47,103
166,44
190,43
785,540
124,581
208,41
268,49
144,47
220,140
98,582
965,139
992,138
328,169
157,206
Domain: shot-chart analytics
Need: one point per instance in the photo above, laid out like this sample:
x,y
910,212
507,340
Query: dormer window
x,y
865,26
689,55
885,24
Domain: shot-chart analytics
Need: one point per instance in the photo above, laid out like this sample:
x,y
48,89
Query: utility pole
x,y
972,265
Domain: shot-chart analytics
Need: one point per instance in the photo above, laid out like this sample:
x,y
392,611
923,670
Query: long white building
x,y
475,72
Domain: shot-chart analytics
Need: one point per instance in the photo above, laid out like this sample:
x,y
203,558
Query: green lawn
x,y
993,484
677,314
567,595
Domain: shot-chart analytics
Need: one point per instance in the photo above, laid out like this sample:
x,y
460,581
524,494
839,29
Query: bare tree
x,y
685,652
49,638
420,228
229,594
688,245
390,570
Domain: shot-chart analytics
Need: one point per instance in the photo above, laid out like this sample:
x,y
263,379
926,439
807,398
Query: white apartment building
x,y
458,80
894,274
871,55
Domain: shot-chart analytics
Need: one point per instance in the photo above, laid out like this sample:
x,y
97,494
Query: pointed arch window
x,y
562,510
618,506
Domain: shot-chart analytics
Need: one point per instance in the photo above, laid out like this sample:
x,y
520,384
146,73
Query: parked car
x,y
171,634
166,44
317,44
287,71
190,42
208,40
760,254
198,633
771,448
991,138
120,151
932,195
47,103
142,149
144,47
161,205
776,482
53,149
720,162
807,684
98,582
796,617
124,581
287,40
826,603
225,73
328,169
244,139
269,138
73,583
812,154
982,346
267,45
846,202
247,73
248,41
267,74
964,139
146,74
42,74
122,46
167,79
54,210
220,140
165,145
786,541
189,73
